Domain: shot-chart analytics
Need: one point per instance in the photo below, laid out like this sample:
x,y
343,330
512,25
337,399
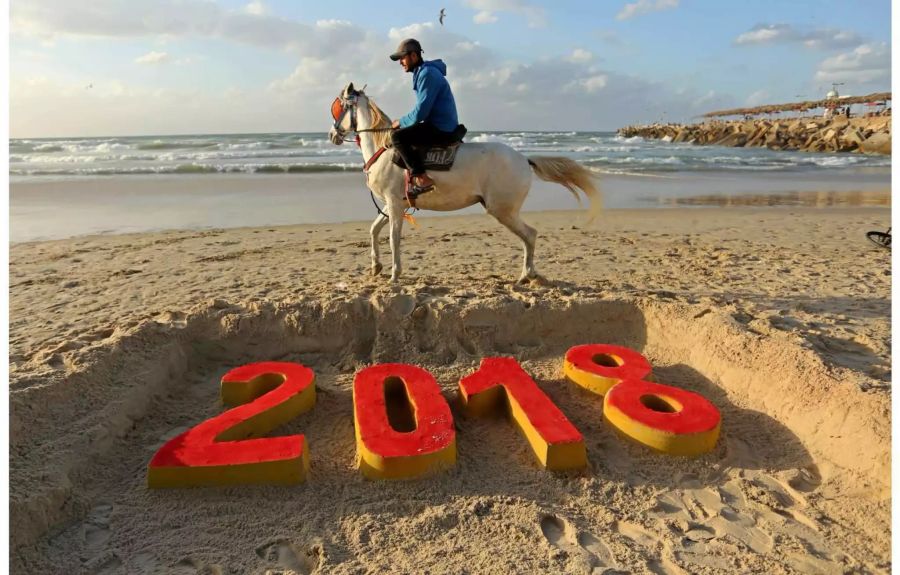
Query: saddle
x,y
440,155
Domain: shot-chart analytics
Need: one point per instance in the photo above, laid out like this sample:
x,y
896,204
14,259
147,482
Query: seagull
x,y
91,85
441,17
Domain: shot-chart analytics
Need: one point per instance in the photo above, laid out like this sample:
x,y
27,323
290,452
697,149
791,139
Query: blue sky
x,y
110,67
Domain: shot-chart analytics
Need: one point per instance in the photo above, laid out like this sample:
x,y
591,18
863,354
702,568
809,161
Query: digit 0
x,y
662,417
218,451
427,441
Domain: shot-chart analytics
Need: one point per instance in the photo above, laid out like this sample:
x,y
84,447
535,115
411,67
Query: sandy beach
x,y
780,317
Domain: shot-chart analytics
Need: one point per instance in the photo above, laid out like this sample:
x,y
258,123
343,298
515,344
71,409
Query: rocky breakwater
x,y
839,134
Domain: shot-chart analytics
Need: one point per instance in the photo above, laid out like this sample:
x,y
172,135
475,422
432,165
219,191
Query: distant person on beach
x,y
432,120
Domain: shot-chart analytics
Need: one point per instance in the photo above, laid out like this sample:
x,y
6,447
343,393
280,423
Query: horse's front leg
x,y
396,217
377,225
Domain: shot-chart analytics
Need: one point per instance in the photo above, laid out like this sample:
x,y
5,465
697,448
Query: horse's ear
x,y
350,89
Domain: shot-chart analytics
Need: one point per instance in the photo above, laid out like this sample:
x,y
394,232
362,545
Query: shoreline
x,y
46,210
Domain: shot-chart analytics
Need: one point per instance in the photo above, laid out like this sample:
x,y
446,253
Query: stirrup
x,y
419,190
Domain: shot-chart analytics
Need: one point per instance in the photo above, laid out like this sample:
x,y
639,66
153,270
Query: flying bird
x,y
441,17
89,86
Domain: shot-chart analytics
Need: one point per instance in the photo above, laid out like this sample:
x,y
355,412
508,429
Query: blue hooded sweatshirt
x,y
434,100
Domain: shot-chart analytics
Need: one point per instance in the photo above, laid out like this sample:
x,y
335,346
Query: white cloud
x,y
333,24
819,39
488,9
645,7
310,74
711,100
595,83
257,8
757,98
764,34
484,17
831,39
580,55
152,58
56,108
867,64
564,92
48,19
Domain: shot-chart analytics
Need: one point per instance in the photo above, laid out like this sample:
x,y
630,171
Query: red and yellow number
x,y
218,451
665,418
498,381
386,453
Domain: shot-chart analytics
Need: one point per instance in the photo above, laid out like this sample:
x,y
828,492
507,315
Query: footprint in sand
x,y
599,554
805,479
773,493
96,533
812,565
637,533
711,520
289,558
665,566
145,563
555,531
106,563
190,566
584,547
742,528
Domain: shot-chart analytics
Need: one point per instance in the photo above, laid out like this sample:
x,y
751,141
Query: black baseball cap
x,y
405,47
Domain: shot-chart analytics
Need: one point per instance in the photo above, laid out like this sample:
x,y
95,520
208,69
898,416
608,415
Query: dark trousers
x,y
421,134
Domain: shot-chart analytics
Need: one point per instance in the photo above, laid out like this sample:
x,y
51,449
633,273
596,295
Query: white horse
x,y
492,174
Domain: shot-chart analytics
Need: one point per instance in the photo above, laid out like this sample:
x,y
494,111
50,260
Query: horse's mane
x,y
380,120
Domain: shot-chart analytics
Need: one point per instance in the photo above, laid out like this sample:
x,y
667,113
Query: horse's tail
x,y
570,174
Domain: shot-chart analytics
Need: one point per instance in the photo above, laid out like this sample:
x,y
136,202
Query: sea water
x,y
64,187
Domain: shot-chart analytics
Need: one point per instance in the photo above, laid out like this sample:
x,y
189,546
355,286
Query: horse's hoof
x,y
533,279
376,269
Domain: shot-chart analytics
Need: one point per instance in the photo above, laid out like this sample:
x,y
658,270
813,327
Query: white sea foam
x,y
279,153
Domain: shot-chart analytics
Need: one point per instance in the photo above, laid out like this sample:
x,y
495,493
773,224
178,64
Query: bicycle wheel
x,y
881,239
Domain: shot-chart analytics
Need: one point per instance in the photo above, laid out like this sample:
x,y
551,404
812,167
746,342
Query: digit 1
x,y
552,437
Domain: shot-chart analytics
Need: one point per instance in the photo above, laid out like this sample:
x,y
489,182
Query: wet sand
x,y
42,209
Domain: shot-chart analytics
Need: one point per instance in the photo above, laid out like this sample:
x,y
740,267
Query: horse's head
x,y
343,110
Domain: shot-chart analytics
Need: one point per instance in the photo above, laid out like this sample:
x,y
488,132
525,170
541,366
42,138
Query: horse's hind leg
x,y
526,233
377,225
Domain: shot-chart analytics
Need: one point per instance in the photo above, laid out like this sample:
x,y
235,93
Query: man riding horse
x,y
432,121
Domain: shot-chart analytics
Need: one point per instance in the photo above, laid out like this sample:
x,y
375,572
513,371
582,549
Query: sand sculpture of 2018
x,y
229,448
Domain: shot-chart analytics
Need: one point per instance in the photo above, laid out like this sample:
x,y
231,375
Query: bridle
x,y
339,109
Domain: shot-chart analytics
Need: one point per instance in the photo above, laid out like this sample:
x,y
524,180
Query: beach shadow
x,y
746,441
